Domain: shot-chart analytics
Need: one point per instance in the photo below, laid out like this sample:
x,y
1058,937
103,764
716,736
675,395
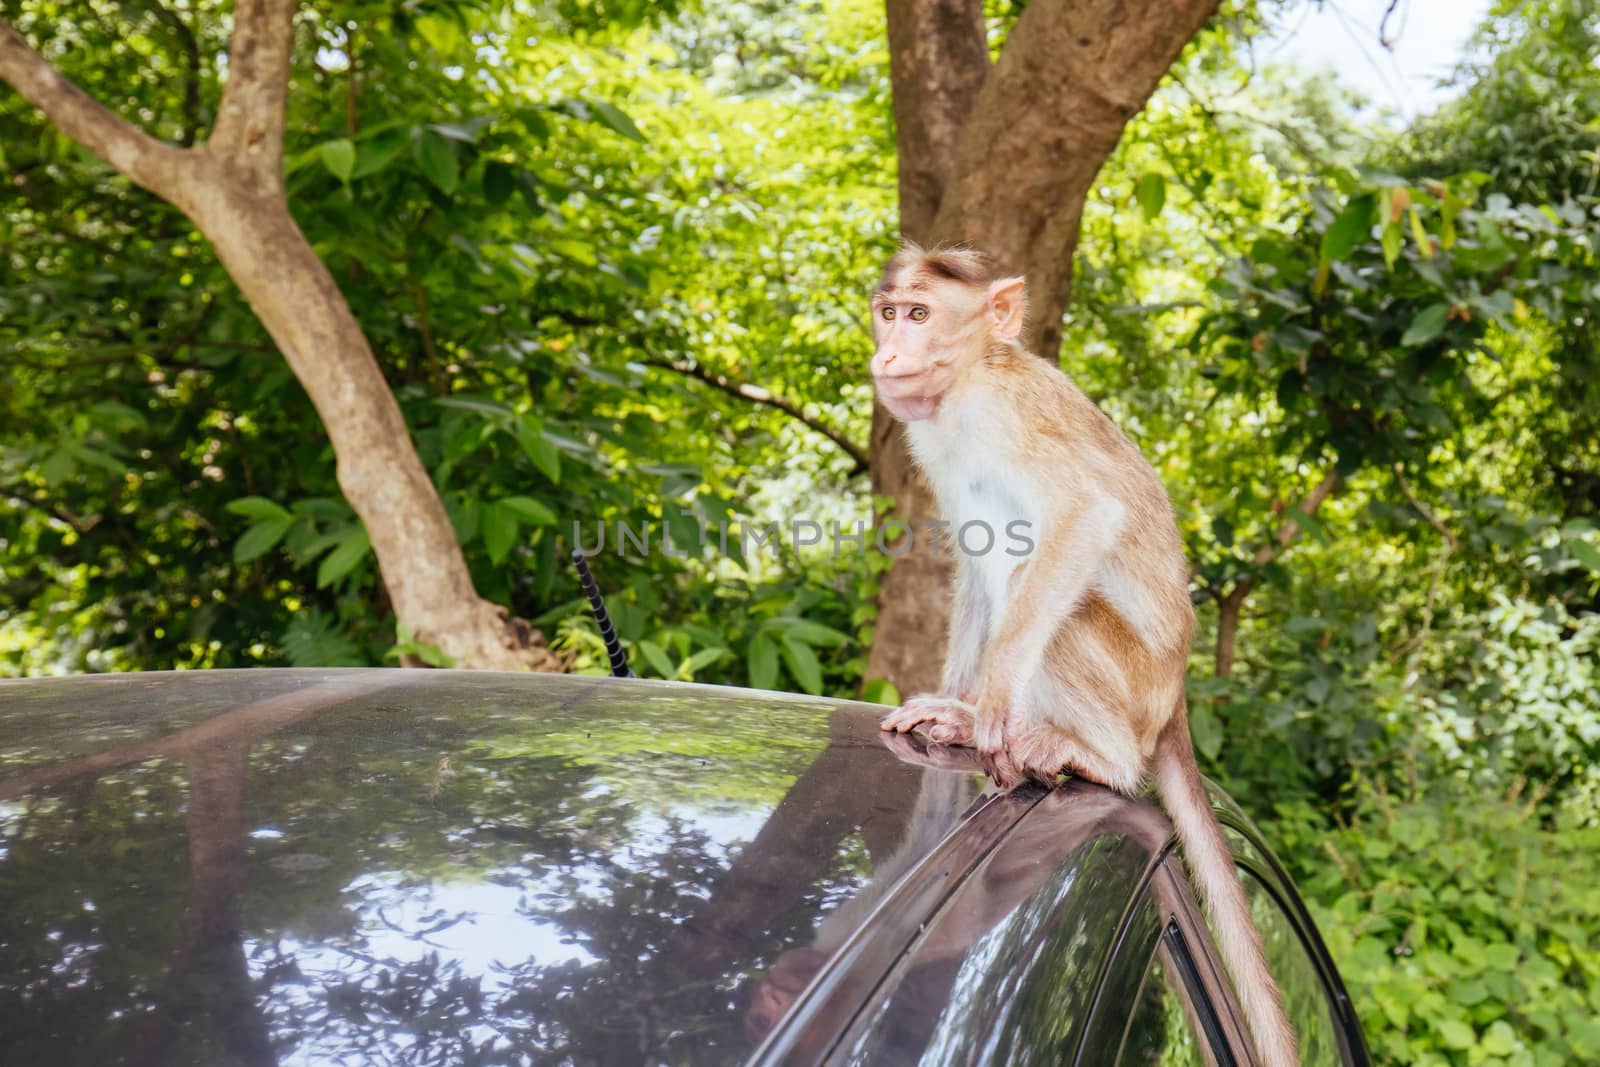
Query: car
x,y
369,866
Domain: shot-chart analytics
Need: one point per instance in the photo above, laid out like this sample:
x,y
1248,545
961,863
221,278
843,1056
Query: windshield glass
x,y
315,867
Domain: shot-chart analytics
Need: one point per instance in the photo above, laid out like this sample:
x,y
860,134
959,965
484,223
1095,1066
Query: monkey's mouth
x,y
910,397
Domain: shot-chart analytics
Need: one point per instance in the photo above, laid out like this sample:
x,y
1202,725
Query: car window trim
x,y
1188,968
819,1019
1206,973
1352,1040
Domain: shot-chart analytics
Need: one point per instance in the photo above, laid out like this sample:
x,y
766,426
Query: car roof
x,y
355,863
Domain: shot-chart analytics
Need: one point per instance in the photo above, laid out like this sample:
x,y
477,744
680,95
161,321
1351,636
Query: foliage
x,y
512,240
1463,923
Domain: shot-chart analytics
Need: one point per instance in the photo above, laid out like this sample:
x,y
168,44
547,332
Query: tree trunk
x,y
231,186
298,302
1228,609
1001,158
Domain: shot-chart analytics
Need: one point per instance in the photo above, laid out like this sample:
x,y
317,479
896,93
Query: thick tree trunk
x,y
1002,158
232,187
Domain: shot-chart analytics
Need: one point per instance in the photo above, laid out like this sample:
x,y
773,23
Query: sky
x,y
1426,37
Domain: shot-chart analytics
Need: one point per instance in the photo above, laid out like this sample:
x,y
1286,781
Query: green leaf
x,y
499,526
1391,241
499,182
881,691
437,160
1205,729
339,156
1457,1034
612,117
803,664
529,510
531,437
699,661
259,539
1501,1040
1586,554
761,657
1419,233
657,656
581,251
805,631
443,34
1348,230
57,467
378,151
1427,326
1151,193
343,559
256,507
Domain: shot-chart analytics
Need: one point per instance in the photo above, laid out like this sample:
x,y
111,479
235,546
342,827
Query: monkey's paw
x,y
946,720
992,739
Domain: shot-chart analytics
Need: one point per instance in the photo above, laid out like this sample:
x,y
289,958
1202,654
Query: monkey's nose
x,y
883,360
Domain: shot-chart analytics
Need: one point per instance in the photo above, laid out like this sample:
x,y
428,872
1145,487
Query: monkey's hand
x,y
991,737
949,720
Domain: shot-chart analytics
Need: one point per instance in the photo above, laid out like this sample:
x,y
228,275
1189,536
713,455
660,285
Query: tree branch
x,y
149,162
47,507
757,395
1231,605
1071,75
191,76
1432,519
248,136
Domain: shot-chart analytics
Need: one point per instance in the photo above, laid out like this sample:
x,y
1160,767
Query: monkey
x,y
1071,658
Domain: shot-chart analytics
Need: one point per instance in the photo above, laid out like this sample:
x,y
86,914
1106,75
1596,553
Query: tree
x,y
232,187
1052,106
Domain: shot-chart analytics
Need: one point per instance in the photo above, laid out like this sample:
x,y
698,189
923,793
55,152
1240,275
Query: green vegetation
x,y
612,261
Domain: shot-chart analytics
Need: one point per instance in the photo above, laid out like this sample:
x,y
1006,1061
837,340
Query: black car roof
x,y
434,866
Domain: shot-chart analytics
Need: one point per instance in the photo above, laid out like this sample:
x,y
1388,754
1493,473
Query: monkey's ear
x,y
1006,308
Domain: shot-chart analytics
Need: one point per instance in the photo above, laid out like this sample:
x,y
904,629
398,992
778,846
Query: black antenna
x,y
597,604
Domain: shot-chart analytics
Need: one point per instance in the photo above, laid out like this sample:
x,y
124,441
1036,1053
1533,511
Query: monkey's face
x,y
927,331
931,331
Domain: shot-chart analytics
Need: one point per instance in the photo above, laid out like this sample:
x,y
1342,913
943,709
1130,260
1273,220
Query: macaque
x,y
1072,658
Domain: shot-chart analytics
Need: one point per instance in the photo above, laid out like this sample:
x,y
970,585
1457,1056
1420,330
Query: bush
x,y
1464,926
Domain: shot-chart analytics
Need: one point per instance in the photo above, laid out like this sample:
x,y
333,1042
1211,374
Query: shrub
x,y
1465,926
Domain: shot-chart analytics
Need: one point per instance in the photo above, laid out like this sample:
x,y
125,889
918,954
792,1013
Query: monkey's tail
x,y
1211,863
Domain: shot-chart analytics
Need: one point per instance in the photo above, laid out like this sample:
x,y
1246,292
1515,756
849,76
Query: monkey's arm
x,y
969,625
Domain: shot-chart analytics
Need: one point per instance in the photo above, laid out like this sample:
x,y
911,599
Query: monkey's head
x,y
935,315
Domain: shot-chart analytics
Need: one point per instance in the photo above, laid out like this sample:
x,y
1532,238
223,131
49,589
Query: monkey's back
x,y
1146,579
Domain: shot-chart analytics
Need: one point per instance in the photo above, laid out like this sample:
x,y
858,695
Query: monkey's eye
x,y
887,313
918,313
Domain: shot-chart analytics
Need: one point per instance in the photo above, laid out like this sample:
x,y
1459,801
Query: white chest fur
x,y
992,527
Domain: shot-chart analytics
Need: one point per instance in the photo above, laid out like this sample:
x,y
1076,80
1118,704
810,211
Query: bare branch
x,y
152,163
191,73
1422,509
248,136
1229,607
757,395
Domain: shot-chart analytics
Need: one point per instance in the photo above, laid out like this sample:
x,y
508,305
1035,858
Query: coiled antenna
x,y
597,604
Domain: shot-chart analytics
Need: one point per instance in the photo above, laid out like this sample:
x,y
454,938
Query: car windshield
x,y
427,867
